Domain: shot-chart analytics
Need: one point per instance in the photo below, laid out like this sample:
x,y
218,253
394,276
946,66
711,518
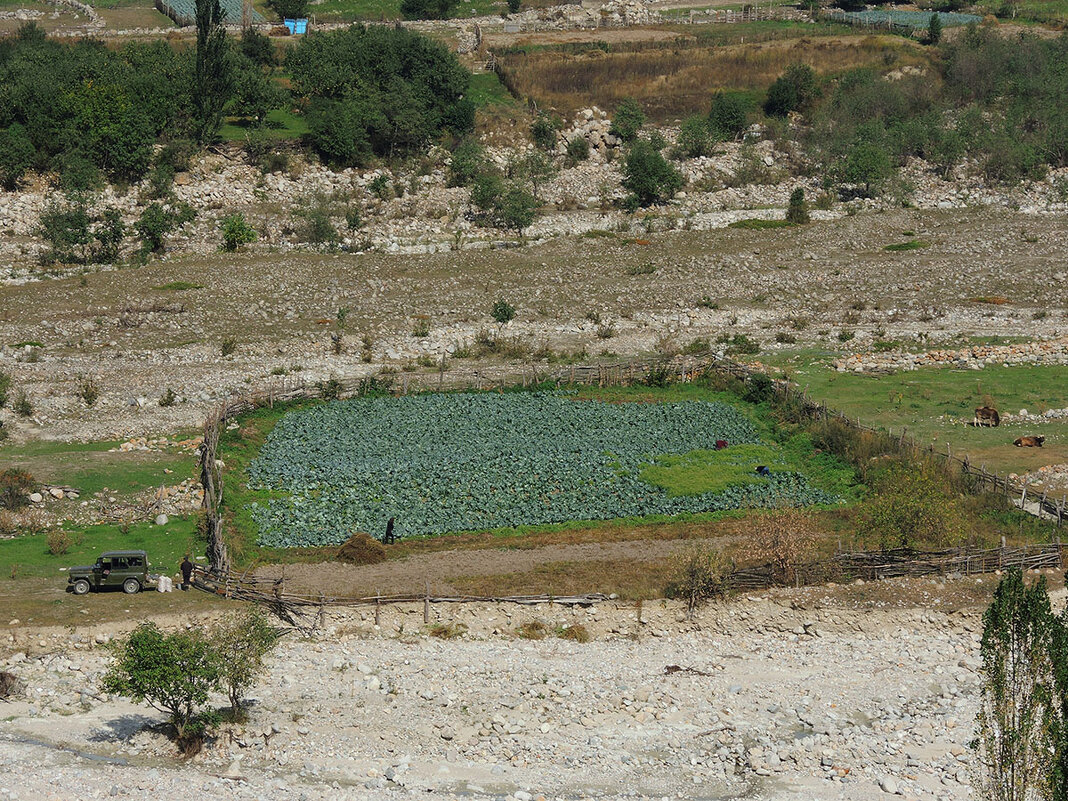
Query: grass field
x,y
383,10
280,124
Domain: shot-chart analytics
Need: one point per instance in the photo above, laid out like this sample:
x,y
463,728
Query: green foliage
x,y
695,139
5,388
156,222
378,91
503,312
427,9
513,6
212,71
628,120
252,93
934,30
1018,718
257,47
64,225
464,461
17,155
109,233
914,508
318,227
236,232
758,224
15,487
867,164
727,117
241,642
543,132
535,168
797,211
174,673
710,471
792,91
578,150
487,189
759,388
648,176
289,9
467,161
515,209
22,405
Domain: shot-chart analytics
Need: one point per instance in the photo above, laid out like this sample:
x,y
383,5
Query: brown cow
x,y
1029,442
986,416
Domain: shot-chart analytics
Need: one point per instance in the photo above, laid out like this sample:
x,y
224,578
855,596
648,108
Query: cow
x,y
987,416
1029,442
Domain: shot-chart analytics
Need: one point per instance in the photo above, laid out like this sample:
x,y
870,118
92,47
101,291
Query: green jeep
x,y
126,569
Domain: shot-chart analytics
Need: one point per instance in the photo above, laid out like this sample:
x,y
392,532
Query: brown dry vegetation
x,y
671,80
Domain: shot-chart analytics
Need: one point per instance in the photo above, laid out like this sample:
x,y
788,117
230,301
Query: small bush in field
x,y
15,487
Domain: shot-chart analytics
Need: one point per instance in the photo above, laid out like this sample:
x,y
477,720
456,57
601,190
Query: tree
x,y
257,47
1017,710
934,29
536,168
467,161
543,132
628,120
792,91
486,190
427,9
913,508
694,138
867,164
700,573
17,154
513,6
64,225
241,643
648,175
727,116
236,232
797,211
15,488
516,208
253,93
173,673
211,77
785,539
289,9
156,222
109,232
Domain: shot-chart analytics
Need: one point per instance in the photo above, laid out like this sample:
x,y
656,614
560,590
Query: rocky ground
x,y
821,694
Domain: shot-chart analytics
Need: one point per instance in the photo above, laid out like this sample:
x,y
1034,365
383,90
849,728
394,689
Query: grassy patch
x,y
760,225
487,90
280,124
992,300
912,244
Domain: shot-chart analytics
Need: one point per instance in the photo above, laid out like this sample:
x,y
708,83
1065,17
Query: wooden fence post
x,y
426,604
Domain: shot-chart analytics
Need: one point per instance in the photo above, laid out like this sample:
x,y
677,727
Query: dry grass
x,y
630,578
446,631
575,633
361,549
674,79
532,630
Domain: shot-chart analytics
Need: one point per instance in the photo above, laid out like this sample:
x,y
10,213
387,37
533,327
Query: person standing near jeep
x,y
187,572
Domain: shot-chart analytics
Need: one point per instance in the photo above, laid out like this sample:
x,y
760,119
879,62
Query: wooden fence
x,y
661,368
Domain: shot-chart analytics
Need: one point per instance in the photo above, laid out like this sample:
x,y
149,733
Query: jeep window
x,y
119,562
136,561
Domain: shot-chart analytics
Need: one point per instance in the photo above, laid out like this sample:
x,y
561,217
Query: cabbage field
x,y
456,462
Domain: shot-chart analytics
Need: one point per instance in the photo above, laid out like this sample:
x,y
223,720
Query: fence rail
x,y
664,368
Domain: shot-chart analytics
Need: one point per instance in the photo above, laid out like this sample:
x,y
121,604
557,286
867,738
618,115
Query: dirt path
x,y
439,570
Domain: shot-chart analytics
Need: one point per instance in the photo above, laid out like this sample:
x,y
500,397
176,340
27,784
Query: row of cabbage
x,y
913,20
455,462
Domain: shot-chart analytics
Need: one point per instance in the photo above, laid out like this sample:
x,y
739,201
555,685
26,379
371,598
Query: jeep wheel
x,y
131,586
81,587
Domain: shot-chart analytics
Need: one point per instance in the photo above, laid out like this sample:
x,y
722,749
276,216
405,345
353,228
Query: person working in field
x,y
187,572
388,538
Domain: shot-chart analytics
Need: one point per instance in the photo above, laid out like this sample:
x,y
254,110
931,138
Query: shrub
x,y
700,574
578,150
64,225
174,673
318,228
694,138
241,641
446,631
59,542
228,346
867,164
427,9
168,398
791,91
503,312
934,29
914,508
785,539
89,391
236,232
17,155
156,222
532,630
543,132
486,190
257,47
575,632
286,9
759,388
15,487
361,549
797,211
109,233
648,176
352,218
5,388
628,120
22,405
727,115
516,209
466,163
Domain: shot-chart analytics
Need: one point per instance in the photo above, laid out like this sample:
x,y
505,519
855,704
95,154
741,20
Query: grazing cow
x,y
1029,442
987,416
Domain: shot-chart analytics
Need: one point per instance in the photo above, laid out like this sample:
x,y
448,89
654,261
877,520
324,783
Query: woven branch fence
x,y
662,369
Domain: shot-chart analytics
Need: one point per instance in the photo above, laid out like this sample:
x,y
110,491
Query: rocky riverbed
x,y
775,697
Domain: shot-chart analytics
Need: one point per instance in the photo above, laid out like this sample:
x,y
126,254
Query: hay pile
x,y
361,549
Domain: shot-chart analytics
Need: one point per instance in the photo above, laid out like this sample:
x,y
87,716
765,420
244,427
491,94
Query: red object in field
x,y
721,444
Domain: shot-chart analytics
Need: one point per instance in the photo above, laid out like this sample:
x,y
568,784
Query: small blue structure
x,y
297,27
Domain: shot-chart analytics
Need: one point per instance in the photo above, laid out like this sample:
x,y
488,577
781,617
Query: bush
x,y
797,211
486,190
257,47
427,9
532,630
17,155
867,164
575,632
503,312
236,232
543,132
694,138
89,391
156,222
784,539
515,209
648,176
727,117
174,673
5,388
241,641
466,163
318,228
914,508
22,405
628,120
64,225
700,574
15,487
228,346
759,388
792,91
59,541
578,150
287,9
361,549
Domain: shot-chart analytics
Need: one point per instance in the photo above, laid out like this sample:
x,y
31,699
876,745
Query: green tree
x,y
109,232
241,642
253,93
64,225
427,9
486,190
628,120
648,176
543,132
694,139
289,9
156,222
467,161
503,312
236,232
536,168
211,76
578,149
1017,709
513,6
728,115
869,164
5,388
515,208
257,47
914,508
174,673
797,211
791,91
17,155
934,29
